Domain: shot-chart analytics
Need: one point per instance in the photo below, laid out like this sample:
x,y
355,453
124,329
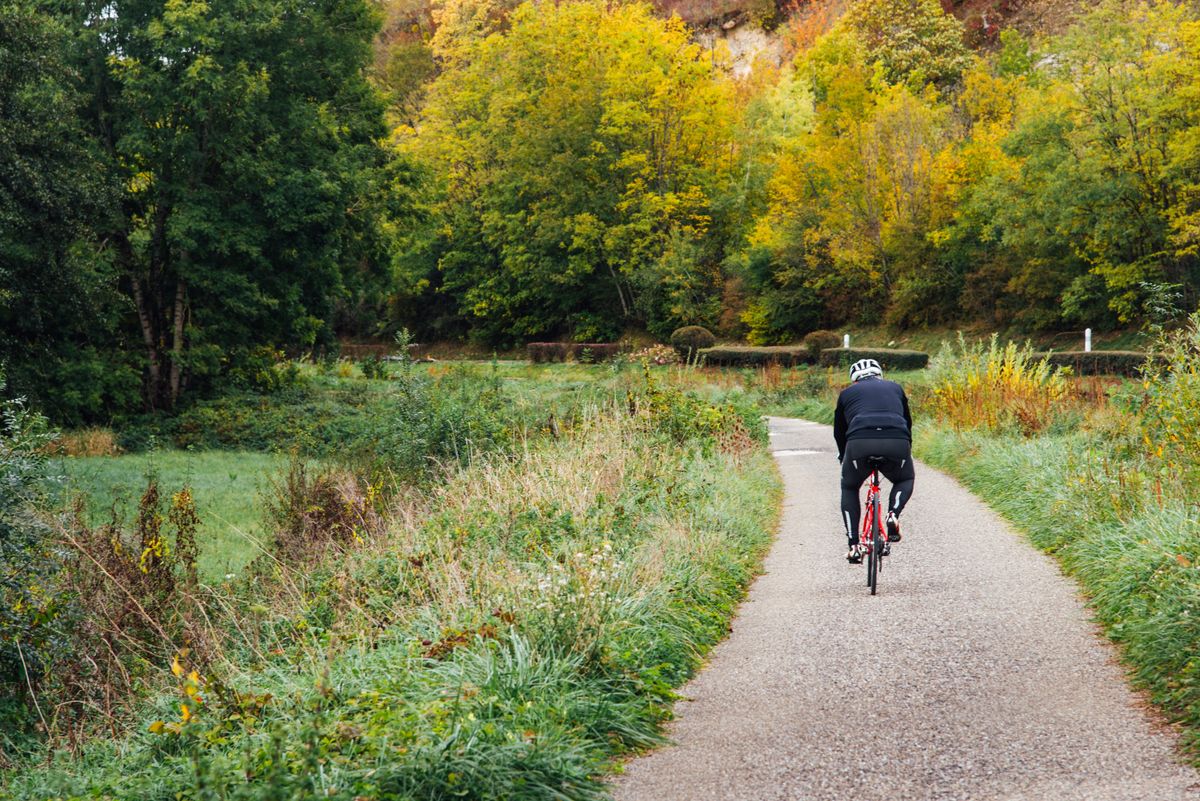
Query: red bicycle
x,y
873,540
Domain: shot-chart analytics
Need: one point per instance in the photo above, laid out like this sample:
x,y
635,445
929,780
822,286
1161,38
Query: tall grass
x,y
505,635
1170,405
995,388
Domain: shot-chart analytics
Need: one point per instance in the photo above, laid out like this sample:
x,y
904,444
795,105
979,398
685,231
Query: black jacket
x,y
871,408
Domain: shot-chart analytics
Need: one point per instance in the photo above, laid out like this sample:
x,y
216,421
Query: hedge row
x,y
1098,362
579,351
742,356
888,359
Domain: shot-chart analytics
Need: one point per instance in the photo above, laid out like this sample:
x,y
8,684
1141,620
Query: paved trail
x,y
998,686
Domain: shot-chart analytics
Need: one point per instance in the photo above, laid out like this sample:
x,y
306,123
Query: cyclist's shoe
x,y
854,555
893,527
885,549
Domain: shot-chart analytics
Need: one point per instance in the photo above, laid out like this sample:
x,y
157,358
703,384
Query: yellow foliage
x,y
996,387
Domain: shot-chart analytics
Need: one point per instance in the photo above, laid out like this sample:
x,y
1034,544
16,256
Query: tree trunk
x,y
177,340
146,322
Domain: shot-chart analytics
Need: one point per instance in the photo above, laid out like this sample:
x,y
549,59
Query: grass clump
x,y
1170,405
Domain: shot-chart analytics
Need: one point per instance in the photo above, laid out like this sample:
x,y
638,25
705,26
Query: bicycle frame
x,y
870,521
872,539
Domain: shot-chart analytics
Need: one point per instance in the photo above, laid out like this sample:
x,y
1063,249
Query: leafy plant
x,y
995,388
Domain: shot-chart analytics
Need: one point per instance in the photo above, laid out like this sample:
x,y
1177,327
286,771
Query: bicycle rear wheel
x,y
875,557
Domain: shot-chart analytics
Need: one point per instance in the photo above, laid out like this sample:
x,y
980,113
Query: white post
x,y
846,342
1087,340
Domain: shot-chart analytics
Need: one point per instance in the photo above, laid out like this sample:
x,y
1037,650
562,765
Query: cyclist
x,y
872,419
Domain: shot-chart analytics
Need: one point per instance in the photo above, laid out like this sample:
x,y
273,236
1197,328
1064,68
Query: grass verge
x,y
509,633
1134,549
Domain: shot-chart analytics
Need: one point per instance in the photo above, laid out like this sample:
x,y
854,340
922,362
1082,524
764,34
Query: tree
x,y
914,41
571,153
246,138
59,306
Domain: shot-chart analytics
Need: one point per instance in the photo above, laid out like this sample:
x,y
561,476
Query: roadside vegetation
x,y
1101,474
502,628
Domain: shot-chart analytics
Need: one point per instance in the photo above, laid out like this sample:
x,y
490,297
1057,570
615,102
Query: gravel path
x,y
974,674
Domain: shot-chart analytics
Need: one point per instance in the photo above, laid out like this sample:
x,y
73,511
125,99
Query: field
x,y
228,487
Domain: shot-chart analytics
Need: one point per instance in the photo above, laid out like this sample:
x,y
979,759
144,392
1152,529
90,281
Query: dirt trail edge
x,y
974,674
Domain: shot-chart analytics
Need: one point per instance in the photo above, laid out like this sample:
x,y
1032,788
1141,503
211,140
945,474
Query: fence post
x,y
846,341
1087,340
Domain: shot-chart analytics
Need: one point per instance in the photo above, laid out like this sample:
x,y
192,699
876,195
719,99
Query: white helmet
x,y
865,368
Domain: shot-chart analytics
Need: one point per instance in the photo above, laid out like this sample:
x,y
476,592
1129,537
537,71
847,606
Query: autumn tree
x,y
577,156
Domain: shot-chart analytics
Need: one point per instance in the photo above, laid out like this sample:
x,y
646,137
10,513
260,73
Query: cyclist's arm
x,y
907,415
839,427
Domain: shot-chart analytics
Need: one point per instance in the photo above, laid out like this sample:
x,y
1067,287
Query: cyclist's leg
x,y
854,473
899,471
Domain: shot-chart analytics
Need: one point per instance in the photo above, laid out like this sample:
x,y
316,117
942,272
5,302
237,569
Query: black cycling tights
x,y
898,469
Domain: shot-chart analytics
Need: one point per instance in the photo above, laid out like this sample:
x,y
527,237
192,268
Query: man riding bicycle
x,y
872,419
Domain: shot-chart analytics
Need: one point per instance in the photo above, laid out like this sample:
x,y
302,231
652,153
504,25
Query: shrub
x,y
1172,401
817,341
540,352
996,388
29,626
743,356
888,359
128,597
690,340
373,367
313,513
1098,362
86,442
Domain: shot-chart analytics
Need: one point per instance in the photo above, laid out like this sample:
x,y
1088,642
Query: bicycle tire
x,y
876,550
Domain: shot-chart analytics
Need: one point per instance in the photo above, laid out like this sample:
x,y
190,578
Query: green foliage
x,y
30,629
888,358
404,428
1171,400
1098,362
913,41
59,306
819,340
690,339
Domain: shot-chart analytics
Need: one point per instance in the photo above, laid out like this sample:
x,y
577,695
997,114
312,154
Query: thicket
x,y
402,427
